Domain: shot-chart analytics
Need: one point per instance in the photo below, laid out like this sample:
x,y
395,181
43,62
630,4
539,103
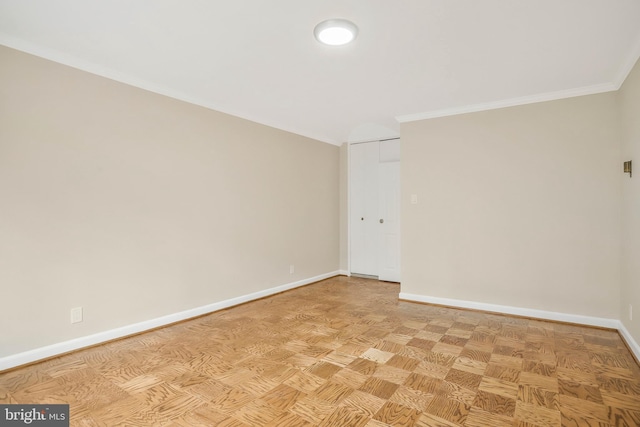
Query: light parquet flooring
x,y
344,352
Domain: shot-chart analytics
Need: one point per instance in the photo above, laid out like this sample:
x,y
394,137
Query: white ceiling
x,y
412,59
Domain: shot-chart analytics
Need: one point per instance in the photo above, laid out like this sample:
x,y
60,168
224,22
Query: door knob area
x,y
381,221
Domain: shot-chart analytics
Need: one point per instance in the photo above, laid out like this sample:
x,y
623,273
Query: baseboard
x,y
516,311
538,314
631,343
57,349
24,358
344,273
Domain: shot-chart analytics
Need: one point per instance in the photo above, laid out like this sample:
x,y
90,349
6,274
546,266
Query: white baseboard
x,y
527,312
517,311
344,273
633,344
30,356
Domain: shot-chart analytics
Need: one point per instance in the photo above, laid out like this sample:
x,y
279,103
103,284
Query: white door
x,y
389,221
363,221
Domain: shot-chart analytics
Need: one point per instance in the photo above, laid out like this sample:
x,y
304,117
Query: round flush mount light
x,y
335,32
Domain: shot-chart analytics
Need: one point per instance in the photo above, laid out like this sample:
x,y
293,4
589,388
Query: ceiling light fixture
x,y
335,32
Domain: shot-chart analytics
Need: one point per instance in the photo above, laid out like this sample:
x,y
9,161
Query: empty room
x,y
320,213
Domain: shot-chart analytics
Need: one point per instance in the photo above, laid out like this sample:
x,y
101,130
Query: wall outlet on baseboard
x,y
630,312
76,315
292,269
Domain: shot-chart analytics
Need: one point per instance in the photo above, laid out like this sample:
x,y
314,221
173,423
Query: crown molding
x,y
111,74
627,65
513,102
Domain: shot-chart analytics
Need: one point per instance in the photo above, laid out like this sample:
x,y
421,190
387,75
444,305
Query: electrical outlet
x,y
630,312
76,315
292,269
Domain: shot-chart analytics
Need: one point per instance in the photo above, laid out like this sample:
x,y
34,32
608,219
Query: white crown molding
x,y
513,102
99,70
34,355
366,140
628,65
516,311
71,61
615,85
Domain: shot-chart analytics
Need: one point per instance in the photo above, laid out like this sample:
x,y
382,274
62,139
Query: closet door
x,y
389,224
364,221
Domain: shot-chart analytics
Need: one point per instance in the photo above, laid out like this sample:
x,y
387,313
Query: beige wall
x,y
519,207
134,205
629,98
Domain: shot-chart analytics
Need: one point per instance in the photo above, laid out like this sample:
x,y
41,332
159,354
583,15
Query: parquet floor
x,y
344,352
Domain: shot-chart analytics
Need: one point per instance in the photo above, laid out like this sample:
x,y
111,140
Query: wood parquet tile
x,y
344,352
